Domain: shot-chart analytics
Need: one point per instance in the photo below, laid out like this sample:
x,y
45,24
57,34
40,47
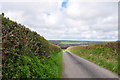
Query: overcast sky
x,y
66,19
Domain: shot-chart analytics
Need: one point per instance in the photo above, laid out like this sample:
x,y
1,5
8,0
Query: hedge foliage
x,y
19,42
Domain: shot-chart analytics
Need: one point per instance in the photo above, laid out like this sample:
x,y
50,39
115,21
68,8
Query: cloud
x,y
59,0
13,15
63,19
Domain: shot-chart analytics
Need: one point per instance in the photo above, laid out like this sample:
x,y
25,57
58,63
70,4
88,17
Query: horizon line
x,y
81,40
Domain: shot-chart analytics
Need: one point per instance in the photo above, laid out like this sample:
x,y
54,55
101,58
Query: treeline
x,y
25,54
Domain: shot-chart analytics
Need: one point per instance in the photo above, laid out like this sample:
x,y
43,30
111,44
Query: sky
x,y
66,19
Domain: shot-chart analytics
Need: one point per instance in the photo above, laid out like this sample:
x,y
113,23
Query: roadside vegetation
x,y
26,54
103,54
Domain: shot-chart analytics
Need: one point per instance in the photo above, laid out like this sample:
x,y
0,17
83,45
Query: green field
x,y
67,43
72,42
103,54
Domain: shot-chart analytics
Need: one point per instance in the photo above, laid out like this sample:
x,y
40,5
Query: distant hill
x,y
67,43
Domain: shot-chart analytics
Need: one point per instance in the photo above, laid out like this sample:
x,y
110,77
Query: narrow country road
x,y
77,67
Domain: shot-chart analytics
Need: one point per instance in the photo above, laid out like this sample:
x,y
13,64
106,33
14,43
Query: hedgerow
x,y
24,51
104,54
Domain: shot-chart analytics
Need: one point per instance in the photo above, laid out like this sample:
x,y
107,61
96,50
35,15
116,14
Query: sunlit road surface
x,y
77,67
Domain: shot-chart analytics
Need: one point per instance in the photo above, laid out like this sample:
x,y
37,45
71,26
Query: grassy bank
x,y
103,54
26,54
30,66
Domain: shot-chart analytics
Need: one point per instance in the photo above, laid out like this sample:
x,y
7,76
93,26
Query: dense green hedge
x,y
20,44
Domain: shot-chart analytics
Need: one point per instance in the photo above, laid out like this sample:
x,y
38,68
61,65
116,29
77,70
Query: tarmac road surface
x,y
77,67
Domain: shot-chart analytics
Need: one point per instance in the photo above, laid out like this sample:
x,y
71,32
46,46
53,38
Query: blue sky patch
x,y
64,3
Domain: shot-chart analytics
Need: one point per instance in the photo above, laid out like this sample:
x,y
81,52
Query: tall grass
x,y
103,54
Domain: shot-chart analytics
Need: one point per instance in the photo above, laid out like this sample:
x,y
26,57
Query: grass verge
x,y
102,55
30,66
